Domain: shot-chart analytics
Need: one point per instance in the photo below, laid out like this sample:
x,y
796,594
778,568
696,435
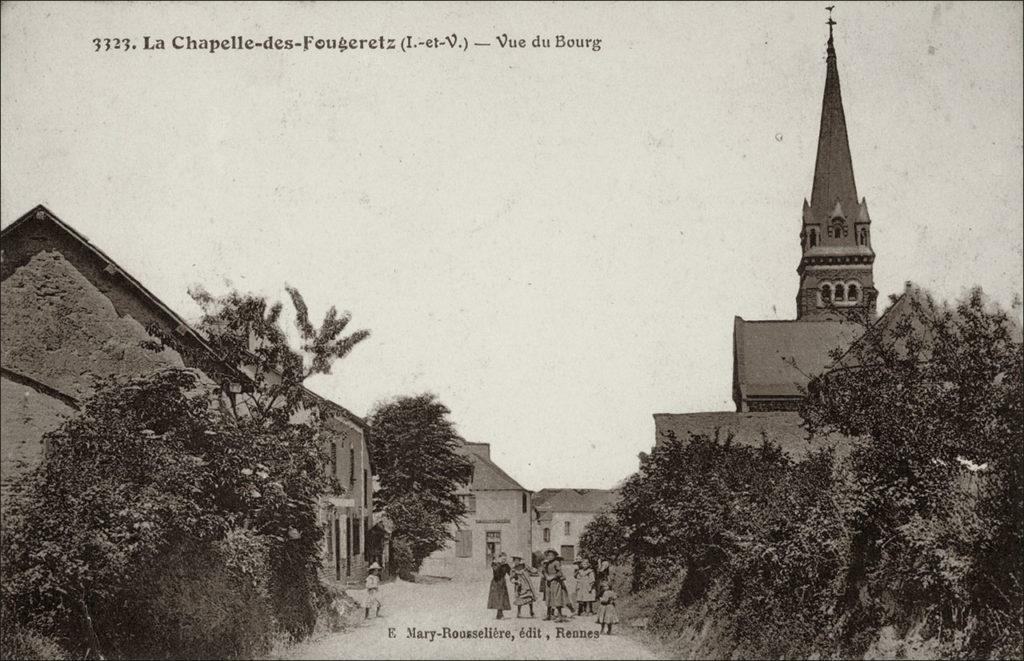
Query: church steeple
x,y
837,257
833,169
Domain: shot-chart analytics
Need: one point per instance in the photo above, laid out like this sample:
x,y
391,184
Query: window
x,y
547,534
839,293
355,536
472,470
568,552
568,528
334,459
352,465
837,227
469,502
524,503
812,238
826,293
463,543
366,488
852,293
862,236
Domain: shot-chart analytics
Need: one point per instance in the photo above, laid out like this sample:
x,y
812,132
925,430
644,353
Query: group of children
x,y
590,587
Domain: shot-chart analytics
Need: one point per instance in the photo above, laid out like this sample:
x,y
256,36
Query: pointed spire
x,y
833,169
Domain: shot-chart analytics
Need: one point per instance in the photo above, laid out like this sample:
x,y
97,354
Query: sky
x,y
554,241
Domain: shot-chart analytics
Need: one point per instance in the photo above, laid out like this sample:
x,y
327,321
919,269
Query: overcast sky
x,y
554,241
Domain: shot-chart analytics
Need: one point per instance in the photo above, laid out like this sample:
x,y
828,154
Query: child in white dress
x,y
373,590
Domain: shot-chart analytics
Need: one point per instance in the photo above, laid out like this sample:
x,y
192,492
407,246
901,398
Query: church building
x,y
773,360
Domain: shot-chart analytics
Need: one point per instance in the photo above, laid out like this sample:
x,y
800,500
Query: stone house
x,y
71,317
498,519
560,515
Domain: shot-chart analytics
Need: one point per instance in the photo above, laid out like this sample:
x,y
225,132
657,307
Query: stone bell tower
x,y
836,272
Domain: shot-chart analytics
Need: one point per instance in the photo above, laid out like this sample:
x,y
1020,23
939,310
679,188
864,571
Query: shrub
x,y
200,603
149,470
18,641
402,559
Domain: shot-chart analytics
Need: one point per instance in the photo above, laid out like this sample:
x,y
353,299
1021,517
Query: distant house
x,y
71,317
498,519
560,515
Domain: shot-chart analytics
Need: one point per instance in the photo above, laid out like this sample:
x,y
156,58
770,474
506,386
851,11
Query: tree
x,y
159,498
150,470
416,451
603,538
245,330
935,393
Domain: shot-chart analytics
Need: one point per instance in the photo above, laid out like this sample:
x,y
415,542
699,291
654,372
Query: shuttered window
x,y
463,543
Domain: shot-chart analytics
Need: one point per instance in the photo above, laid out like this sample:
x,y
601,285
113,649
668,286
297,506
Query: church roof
x,y
783,429
779,358
574,500
833,168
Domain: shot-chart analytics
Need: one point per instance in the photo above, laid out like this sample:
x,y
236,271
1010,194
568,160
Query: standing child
x,y
606,615
373,590
525,596
497,596
556,597
585,595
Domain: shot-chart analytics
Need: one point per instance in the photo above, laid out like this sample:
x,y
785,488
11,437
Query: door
x,y
568,553
493,546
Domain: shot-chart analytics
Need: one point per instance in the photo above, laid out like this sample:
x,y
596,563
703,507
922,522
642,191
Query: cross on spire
x,y
830,22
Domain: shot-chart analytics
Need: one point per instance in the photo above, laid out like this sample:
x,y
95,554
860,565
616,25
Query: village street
x,y
459,606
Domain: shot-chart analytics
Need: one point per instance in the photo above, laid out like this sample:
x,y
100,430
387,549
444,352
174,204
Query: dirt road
x,y
448,621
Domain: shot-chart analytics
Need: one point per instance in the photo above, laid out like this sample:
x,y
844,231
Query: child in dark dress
x,y
497,596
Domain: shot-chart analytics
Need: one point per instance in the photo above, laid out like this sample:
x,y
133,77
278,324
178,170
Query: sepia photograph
x,y
511,330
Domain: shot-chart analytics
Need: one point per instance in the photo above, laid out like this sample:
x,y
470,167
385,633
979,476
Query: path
x,y
459,606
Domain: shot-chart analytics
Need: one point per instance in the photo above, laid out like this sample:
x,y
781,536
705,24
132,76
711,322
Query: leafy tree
x,y
159,489
935,392
245,329
603,538
416,451
150,468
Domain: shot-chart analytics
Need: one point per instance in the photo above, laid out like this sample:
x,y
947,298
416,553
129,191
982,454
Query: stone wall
x,y
60,336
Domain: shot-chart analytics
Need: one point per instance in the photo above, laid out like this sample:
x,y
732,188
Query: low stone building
x,y
498,519
560,515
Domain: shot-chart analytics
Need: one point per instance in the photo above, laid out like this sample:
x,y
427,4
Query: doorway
x,y
493,546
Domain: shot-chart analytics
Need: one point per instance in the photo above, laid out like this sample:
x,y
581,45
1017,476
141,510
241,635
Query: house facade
x,y
560,515
72,317
498,513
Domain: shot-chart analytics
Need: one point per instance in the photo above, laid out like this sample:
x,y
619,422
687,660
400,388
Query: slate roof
x,y
781,428
487,475
833,168
574,500
779,358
